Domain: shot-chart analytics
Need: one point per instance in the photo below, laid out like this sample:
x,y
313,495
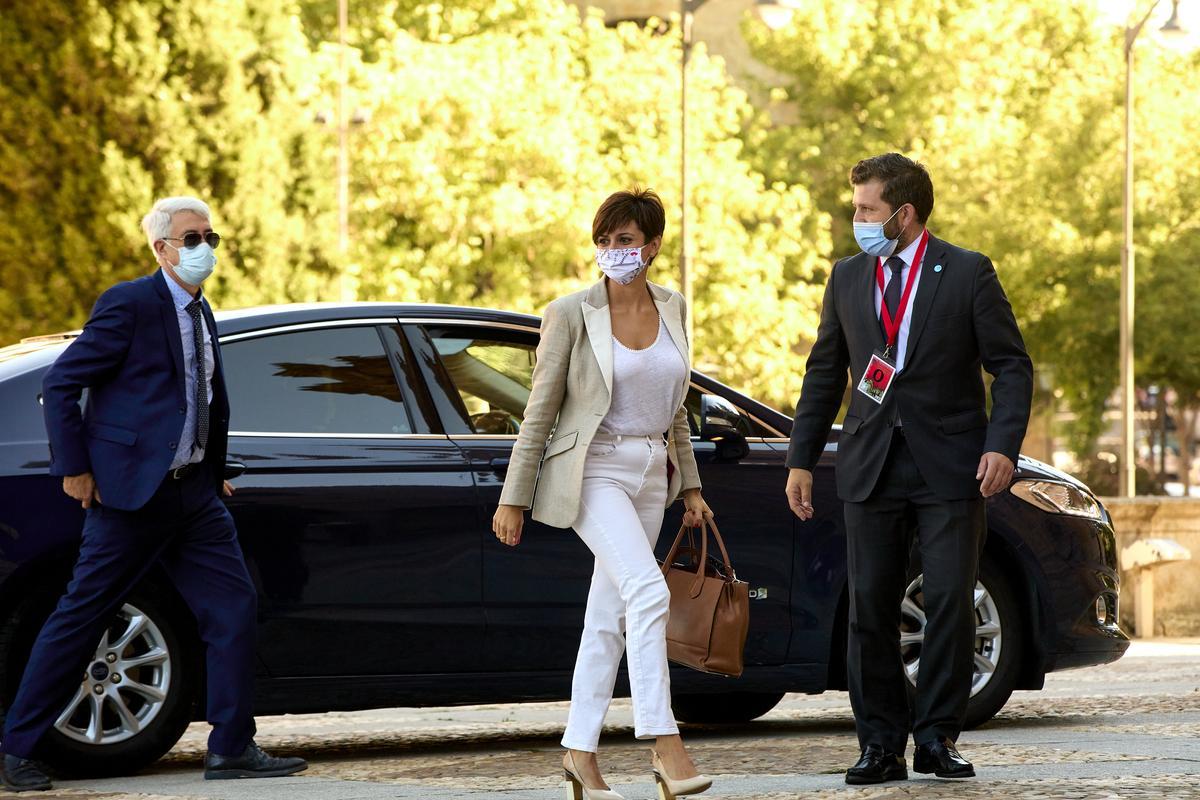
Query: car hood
x,y
1032,468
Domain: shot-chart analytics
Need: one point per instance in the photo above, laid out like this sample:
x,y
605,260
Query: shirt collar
x,y
909,253
178,293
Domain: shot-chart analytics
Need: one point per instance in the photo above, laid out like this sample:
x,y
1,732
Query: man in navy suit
x,y
146,460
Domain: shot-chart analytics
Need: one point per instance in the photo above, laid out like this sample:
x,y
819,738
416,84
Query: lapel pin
x,y
937,267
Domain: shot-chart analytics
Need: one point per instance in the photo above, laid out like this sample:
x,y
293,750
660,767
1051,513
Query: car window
x,y
328,380
22,420
492,373
746,424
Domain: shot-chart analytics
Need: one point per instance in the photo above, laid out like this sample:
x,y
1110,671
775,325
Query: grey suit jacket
x,y
572,391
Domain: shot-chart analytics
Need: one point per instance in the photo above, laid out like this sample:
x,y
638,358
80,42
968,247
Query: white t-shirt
x,y
647,387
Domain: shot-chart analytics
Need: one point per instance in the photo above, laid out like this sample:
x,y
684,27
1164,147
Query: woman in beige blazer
x,y
605,448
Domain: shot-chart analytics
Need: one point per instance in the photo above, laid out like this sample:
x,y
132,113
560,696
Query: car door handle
x,y
233,469
500,465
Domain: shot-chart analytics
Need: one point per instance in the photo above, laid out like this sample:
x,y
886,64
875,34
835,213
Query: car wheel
x,y
723,708
998,642
136,694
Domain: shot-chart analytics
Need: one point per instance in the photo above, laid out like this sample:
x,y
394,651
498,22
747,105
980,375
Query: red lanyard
x,y
892,326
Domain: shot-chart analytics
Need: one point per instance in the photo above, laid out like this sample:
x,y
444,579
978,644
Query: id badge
x,y
878,377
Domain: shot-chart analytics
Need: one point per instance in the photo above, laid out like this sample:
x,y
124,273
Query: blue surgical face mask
x,y
873,240
195,263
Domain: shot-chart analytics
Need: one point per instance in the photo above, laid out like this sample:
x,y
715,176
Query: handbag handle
x,y
700,571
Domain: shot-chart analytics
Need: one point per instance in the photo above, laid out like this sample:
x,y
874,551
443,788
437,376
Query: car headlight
x,y
1058,498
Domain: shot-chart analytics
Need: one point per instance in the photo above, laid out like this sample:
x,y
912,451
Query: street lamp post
x,y
686,9
1127,484
775,13
346,290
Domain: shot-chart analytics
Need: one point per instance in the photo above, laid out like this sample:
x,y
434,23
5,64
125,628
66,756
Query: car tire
x,y
999,642
723,708
156,667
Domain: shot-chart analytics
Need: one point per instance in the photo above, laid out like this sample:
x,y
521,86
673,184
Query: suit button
x,y
183,409
171,446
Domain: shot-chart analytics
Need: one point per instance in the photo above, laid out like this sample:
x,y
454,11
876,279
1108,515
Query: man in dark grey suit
x,y
912,319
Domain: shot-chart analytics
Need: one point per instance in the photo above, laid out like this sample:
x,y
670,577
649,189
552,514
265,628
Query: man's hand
x,y
227,489
799,493
995,471
82,488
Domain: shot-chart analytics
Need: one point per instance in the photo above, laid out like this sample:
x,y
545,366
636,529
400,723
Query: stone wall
x,y
1177,585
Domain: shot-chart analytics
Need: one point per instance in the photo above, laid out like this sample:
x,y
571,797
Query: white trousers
x,y
620,516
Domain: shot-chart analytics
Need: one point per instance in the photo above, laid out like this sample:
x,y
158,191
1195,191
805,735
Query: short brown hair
x,y
904,181
639,206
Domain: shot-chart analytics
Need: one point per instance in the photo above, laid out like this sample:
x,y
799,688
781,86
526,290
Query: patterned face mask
x,y
622,264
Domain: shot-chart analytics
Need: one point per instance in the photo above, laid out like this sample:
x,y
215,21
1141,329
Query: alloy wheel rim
x,y
125,685
989,636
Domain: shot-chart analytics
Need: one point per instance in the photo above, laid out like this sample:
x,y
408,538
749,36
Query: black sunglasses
x,y
192,239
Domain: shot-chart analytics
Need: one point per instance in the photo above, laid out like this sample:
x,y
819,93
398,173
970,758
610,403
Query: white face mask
x,y
195,263
622,264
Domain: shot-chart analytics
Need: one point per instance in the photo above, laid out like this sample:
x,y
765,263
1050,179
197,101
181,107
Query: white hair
x,y
157,224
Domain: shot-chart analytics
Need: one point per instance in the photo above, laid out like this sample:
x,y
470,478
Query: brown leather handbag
x,y
710,607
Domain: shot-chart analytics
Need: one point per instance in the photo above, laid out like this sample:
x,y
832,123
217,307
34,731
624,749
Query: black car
x,y
370,442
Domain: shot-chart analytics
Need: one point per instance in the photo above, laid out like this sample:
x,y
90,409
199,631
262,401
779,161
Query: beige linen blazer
x,y
572,391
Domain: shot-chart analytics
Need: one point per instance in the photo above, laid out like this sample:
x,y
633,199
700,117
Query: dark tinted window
x,y
492,373
329,380
22,420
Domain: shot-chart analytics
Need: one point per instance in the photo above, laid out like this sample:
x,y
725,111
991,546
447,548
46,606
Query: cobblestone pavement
x,y
1126,730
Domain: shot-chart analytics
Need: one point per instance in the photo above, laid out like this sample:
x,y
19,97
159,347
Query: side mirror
x,y
233,469
718,424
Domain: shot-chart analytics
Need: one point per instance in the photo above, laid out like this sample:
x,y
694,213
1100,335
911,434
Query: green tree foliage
x,y
486,157
494,128
106,106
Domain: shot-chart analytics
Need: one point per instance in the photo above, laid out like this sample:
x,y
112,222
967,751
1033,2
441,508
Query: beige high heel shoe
x,y
669,788
578,790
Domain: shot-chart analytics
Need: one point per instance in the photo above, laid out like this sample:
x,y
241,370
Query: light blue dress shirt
x,y
185,453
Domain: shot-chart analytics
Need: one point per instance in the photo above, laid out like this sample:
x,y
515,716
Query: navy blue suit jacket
x,y
130,359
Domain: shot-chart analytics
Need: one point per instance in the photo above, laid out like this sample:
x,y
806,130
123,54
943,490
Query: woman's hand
x,y
697,510
507,523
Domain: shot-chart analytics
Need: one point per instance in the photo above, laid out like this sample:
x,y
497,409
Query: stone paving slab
x,y
1126,730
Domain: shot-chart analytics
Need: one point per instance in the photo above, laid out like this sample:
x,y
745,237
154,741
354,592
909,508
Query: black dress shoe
x,y
253,763
877,766
22,775
942,759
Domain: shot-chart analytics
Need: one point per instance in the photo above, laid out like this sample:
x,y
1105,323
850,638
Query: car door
x,y
533,595
746,495
357,518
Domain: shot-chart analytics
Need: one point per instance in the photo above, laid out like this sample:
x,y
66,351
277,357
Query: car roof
x,y
250,319
39,351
